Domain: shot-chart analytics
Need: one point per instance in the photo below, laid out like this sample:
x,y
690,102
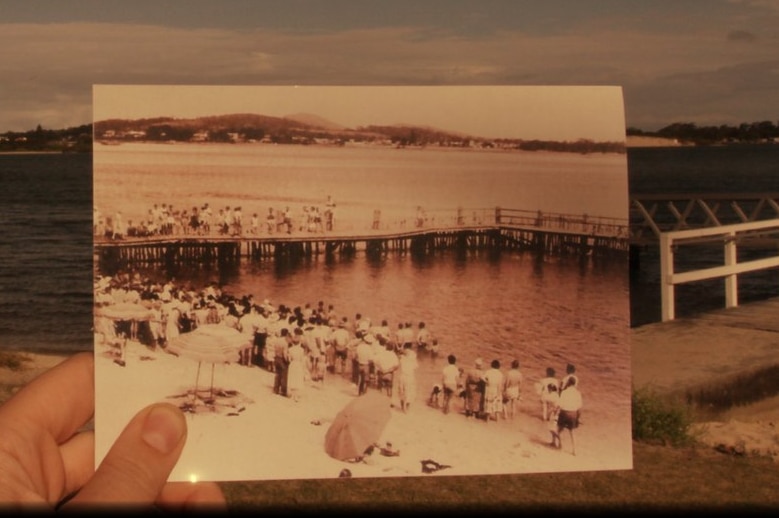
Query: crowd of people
x,y
304,345
165,220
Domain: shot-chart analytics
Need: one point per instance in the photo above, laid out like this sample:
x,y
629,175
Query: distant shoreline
x,y
31,152
634,141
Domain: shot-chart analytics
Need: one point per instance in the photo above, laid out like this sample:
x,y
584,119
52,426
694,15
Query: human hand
x,y
47,456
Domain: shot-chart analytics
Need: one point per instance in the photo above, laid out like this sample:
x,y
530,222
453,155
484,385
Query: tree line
x,y
286,131
690,133
77,139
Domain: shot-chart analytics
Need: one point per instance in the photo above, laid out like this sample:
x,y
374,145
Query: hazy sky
x,y
702,61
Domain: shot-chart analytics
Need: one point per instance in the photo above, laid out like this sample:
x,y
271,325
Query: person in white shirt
x,y
450,381
570,405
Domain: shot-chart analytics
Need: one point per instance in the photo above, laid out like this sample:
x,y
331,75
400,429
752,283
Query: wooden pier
x,y
504,230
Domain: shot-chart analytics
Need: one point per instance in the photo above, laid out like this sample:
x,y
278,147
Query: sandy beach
x,y
253,434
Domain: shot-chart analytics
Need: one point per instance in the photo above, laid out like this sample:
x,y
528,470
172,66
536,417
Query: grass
x,y
671,470
740,390
663,477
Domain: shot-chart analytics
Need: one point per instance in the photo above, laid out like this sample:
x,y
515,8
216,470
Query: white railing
x,y
729,235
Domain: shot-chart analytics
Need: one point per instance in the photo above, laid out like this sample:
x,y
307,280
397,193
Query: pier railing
x,y
428,231
730,236
440,219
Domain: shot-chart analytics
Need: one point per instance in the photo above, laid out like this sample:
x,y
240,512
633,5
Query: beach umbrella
x,y
357,426
210,343
125,311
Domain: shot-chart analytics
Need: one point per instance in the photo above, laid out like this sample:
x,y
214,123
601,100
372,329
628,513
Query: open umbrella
x,y
127,311
357,426
210,343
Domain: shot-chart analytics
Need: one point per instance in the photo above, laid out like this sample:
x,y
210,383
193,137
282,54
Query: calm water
x,y
46,259
132,177
736,169
544,312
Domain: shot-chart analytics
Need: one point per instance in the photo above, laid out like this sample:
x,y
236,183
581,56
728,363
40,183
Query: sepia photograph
x,y
365,281
131,282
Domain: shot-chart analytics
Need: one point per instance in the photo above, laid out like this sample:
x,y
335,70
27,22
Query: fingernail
x,y
163,429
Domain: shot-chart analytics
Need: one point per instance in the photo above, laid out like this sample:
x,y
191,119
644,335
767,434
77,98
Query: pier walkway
x,y
713,348
501,229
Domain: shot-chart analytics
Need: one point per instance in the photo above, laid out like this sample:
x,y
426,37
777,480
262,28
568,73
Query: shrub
x,y
659,420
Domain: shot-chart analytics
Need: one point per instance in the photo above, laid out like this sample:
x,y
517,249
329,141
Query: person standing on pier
x,y
329,213
287,217
420,218
118,226
270,220
237,222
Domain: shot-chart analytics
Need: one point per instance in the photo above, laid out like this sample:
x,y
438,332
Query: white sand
x,y
272,437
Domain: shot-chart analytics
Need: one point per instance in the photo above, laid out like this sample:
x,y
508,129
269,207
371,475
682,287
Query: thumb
x,y
138,464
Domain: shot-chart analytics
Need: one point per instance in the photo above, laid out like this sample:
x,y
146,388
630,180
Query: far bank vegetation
x,y
313,130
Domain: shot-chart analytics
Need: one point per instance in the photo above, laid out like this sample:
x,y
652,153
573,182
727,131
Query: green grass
x,y
739,390
660,420
671,470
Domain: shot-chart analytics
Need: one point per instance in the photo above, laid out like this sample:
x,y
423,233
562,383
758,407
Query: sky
x,y
709,62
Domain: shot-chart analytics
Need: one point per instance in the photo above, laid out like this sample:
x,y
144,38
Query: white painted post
x,y
731,281
666,277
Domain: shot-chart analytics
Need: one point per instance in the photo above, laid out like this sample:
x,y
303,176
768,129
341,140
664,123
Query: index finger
x,y
60,401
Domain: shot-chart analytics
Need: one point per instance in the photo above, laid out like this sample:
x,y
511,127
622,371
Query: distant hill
x,y
315,121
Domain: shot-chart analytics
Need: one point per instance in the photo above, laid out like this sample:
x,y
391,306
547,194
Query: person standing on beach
x,y
570,405
387,363
423,337
340,339
548,390
364,355
570,372
450,381
296,365
512,390
474,389
407,385
270,221
280,362
493,391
